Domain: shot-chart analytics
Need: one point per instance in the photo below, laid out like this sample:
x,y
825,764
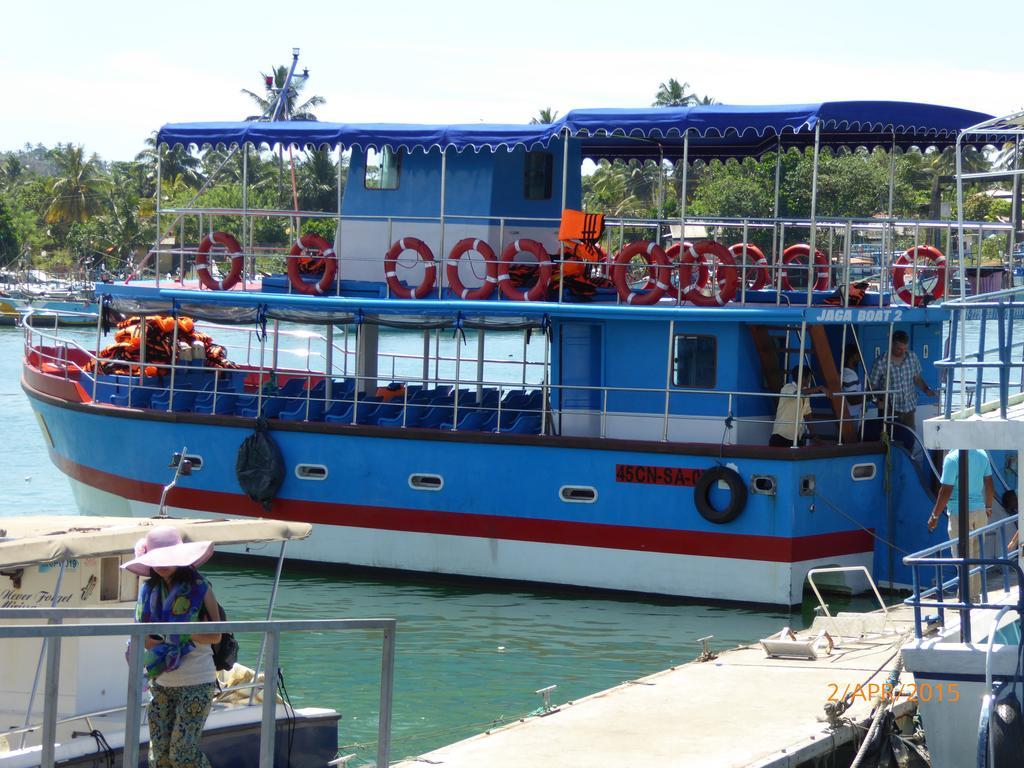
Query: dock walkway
x,y
740,709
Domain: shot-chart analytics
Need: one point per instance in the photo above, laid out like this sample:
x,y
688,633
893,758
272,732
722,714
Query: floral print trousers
x,y
176,719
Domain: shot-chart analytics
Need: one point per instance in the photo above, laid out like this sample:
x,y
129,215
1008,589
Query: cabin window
x,y
382,168
863,471
311,472
578,494
696,358
110,579
425,482
537,177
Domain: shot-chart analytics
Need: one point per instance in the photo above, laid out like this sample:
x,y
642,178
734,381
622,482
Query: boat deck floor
x,y
740,709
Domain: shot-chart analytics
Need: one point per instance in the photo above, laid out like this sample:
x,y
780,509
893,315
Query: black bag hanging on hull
x,y
259,466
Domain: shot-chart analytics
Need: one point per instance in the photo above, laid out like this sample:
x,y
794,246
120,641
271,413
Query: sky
x,y
107,73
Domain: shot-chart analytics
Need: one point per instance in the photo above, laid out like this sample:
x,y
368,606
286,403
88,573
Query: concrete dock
x,y
740,709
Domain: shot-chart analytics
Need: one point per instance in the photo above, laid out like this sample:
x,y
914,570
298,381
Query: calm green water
x,y
467,656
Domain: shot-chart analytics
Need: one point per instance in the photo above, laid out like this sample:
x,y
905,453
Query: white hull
x,y
950,685
713,578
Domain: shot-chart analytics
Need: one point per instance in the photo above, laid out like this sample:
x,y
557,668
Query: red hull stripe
x,y
703,543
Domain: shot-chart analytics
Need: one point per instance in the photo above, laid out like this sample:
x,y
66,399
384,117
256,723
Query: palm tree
x,y
124,228
78,190
176,163
674,94
318,182
940,167
12,171
545,116
292,110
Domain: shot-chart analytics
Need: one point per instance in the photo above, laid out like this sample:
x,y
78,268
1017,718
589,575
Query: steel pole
x,y
441,253
133,706
775,206
814,212
337,229
270,614
268,727
329,364
387,685
50,700
963,545
246,239
565,197
39,663
159,195
668,377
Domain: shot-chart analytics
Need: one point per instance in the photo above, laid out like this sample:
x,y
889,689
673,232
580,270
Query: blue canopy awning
x,y
716,131
312,134
720,131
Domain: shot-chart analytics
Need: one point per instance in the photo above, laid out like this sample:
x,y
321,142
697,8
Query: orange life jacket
x,y
391,392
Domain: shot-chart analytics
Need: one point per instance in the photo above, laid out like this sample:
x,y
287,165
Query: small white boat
x,y
66,569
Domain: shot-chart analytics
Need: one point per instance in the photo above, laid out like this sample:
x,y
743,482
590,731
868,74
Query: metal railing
x,y
881,241
54,632
940,559
970,370
558,401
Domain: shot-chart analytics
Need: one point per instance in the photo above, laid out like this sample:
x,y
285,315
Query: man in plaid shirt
x,y
904,378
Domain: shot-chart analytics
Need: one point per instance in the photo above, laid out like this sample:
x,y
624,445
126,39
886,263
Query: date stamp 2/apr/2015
x,y
925,692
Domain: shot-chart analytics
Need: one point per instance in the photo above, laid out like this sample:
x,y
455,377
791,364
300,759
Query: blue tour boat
x,y
623,445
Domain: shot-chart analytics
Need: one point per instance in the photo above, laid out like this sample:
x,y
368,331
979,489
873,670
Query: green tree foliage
x,y
317,182
545,116
292,108
9,245
674,94
176,163
79,187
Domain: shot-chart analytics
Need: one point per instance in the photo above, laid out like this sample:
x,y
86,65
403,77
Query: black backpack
x,y
225,653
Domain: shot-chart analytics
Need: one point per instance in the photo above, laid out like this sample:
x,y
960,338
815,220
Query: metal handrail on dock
x,y
1001,308
943,556
54,633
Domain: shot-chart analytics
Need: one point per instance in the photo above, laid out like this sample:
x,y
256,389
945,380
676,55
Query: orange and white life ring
x,y
202,261
464,246
657,262
540,289
903,268
312,242
672,254
821,266
706,254
391,264
759,266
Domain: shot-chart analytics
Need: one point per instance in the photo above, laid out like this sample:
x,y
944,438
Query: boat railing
x,y
40,317
267,392
934,587
975,367
836,237
56,631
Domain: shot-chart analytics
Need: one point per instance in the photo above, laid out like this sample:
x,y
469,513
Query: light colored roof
x,y
52,538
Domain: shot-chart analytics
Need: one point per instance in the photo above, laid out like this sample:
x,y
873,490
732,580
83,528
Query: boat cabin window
x,y
382,168
539,170
110,578
696,359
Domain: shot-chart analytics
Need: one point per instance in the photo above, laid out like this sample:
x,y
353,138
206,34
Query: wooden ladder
x,y
769,350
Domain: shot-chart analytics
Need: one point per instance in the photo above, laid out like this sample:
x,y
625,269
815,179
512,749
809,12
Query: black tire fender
x,y
737,495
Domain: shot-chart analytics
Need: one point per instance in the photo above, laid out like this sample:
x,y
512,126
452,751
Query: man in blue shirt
x,y
980,492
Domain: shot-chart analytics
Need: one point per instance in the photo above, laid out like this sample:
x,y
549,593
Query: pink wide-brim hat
x,y
163,548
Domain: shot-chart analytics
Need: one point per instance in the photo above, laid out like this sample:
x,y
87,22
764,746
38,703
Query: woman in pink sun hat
x,y
180,667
